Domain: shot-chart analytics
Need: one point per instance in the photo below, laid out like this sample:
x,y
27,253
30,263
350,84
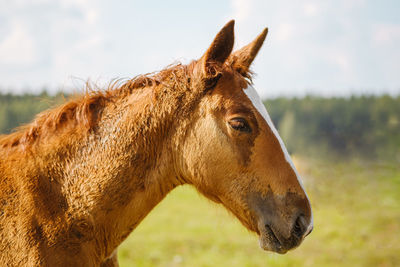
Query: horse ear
x,y
219,50
242,58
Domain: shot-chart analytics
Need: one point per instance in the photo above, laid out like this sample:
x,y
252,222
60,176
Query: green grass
x,y
356,223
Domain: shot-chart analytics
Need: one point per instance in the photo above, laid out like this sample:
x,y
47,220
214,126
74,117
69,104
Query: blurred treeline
x,y
367,127
15,110
362,126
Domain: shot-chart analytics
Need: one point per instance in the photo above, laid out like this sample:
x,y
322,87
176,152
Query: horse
x,y
78,179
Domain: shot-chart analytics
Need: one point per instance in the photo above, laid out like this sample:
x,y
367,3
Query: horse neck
x,y
118,172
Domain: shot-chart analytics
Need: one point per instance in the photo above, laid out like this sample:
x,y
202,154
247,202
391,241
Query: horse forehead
x,y
255,99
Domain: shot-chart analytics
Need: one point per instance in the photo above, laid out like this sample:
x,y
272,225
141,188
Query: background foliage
x,y
15,110
365,126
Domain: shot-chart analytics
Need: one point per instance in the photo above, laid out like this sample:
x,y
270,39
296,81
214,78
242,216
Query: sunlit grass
x,y
356,215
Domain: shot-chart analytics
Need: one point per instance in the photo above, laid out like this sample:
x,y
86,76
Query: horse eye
x,y
240,124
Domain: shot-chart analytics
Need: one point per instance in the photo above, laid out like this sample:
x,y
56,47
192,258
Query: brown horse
x,y
76,181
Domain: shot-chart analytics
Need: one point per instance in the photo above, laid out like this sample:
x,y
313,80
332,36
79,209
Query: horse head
x,y
233,154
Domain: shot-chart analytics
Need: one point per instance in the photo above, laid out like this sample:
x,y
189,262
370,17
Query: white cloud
x,y
386,34
284,32
352,4
310,9
242,9
18,47
52,40
87,7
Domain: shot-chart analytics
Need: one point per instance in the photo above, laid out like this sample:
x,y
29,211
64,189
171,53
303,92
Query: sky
x,y
328,48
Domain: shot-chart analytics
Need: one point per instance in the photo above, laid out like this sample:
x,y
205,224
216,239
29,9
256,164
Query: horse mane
x,y
82,111
78,111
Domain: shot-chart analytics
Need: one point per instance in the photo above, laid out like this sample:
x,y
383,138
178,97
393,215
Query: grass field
x,y
356,223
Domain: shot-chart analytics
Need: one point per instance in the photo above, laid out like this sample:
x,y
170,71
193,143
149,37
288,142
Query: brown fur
x,y
78,179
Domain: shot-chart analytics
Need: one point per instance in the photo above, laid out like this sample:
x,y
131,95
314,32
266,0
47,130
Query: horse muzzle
x,y
272,237
282,221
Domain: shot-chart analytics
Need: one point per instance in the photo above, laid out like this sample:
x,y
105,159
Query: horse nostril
x,y
299,226
272,235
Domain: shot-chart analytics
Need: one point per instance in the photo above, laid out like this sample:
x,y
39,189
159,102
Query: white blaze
x,y
258,104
